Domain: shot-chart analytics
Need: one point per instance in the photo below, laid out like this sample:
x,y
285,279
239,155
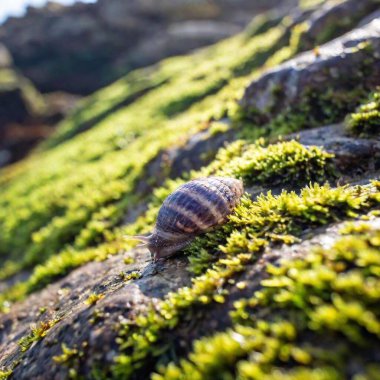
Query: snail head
x,y
160,248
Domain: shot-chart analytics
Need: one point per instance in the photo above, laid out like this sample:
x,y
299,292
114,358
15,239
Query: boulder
x,y
333,19
334,70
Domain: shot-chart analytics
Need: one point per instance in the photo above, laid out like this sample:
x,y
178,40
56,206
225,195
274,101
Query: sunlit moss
x,y
287,162
365,122
93,298
65,204
308,319
307,4
67,354
252,227
4,375
37,333
71,197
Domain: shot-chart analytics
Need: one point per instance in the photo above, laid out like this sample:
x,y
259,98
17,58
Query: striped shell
x,y
192,209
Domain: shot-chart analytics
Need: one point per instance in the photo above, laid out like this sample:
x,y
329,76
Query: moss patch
x,y
71,197
37,333
254,225
308,319
4,375
284,162
365,122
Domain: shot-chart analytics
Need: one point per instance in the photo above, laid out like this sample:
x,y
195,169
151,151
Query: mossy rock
x,y
284,289
365,122
319,86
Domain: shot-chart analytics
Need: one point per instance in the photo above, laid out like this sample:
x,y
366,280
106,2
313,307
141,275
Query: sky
x,y
17,7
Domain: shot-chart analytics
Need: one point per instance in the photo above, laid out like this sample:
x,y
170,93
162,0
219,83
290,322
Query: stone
x,y
333,19
336,66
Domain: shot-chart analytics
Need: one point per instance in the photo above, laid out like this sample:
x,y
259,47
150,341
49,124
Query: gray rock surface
x,y
365,153
334,68
65,301
334,19
197,151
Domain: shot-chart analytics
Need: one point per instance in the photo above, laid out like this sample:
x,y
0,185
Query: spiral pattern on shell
x,y
192,209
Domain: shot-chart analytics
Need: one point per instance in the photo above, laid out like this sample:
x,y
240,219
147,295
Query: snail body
x,y
194,208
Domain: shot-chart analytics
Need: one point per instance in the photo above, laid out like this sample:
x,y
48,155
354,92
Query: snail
x,y
194,208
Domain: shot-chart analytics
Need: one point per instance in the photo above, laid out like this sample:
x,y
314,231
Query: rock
x,y
334,69
346,149
198,151
370,18
310,315
5,157
80,324
334,19
19,102
55,46
5,57
20,106
92,327
26,116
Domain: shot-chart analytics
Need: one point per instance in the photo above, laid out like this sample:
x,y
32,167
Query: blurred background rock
x,y
83,47
68,51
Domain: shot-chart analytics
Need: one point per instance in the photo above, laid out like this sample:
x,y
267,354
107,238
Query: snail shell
x,y
192,209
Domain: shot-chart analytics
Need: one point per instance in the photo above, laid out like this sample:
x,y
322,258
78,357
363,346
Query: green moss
x,y
68,201
252,227
67,355
37,333
42,310
4,375
365,122
8,79
308,4
284,162
130,276
66,204
71,197
287,52
315,107
261,24
70,358
93,109
308,319
93,298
